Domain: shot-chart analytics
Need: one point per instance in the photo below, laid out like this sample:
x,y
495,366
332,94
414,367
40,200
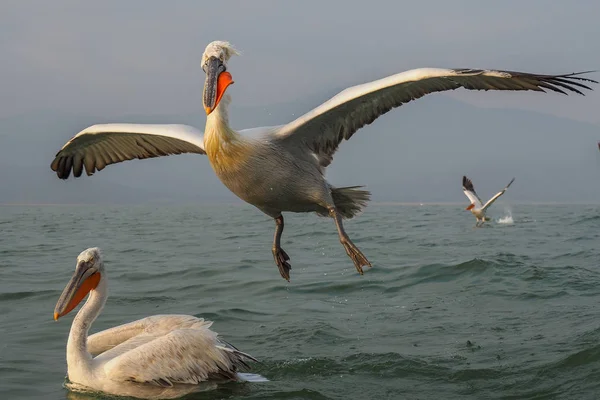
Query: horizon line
x,y
234,203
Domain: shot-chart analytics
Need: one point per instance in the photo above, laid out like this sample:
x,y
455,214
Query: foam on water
x,y
470,313
248,377
507,219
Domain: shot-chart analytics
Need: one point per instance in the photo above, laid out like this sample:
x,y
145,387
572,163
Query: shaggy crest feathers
x,y
220,49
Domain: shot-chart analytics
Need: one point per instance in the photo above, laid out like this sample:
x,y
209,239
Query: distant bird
x,y
477,207
163,356
281,168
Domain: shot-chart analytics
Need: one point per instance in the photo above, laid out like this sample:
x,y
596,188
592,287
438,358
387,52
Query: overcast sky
x,y
70,64
132,57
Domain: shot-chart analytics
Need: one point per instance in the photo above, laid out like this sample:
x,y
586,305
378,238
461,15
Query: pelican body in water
x,y
157,357
477,207
282,168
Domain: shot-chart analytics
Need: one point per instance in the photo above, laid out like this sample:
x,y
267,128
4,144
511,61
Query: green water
x,y
447,312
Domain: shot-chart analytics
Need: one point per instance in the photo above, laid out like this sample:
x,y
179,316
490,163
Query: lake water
x,y
448,311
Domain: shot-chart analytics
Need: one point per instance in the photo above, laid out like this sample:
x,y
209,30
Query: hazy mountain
x,y
418,152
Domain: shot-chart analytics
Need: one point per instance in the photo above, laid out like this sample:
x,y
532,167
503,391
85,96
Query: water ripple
x,y
447,310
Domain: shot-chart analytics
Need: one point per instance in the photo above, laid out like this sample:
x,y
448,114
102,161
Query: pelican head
x,y
88,272
470,207
214,63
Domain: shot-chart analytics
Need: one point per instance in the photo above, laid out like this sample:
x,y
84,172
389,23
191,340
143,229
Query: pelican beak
x,y
470,207
82,282
217,81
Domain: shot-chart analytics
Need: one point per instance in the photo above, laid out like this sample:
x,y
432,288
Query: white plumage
x,y
162,356
477,207
282,168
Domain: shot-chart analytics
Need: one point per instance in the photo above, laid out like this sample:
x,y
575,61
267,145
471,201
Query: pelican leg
x,y
280,256
357,257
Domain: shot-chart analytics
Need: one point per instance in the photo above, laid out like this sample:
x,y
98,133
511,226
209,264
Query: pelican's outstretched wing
x,y
323,128
101,145
493,199
189,355
470,192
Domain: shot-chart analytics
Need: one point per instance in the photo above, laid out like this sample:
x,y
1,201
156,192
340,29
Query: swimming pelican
x,y
281,168
477,207
162,356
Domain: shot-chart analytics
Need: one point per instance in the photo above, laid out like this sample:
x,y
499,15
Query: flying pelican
x,y
162,356
477,207
281,168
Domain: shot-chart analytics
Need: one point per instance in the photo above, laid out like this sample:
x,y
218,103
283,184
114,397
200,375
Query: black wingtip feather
x,y
510,183
554,83
467,184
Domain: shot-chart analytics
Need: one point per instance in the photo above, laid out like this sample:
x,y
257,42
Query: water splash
x,y
507,219
248,377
